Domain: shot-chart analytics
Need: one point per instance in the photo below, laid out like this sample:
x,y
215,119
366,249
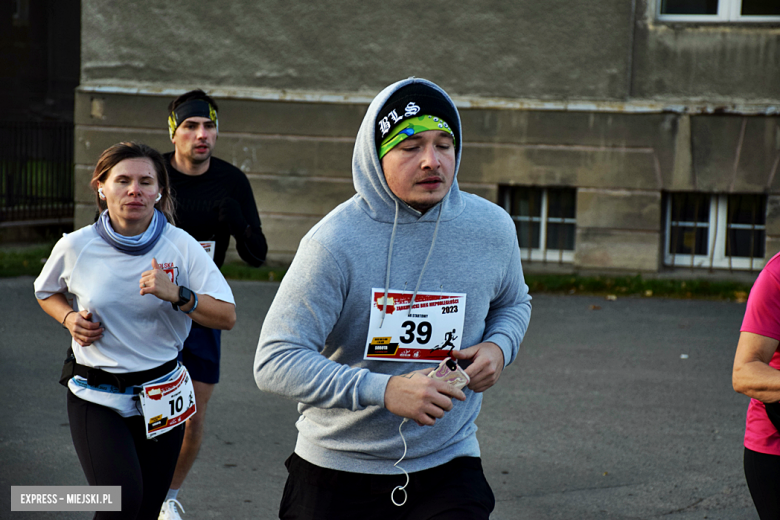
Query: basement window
x,y
545,219
719,10
715,231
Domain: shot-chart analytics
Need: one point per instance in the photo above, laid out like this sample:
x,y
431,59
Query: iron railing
x,y
36,171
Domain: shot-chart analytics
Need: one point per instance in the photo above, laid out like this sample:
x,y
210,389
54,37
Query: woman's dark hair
x,y
130,150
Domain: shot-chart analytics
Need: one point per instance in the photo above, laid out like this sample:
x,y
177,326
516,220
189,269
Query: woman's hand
x,y
211,313
81,327
157,282
79,323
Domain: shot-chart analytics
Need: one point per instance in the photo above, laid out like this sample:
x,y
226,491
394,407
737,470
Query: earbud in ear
x,y
100,193
159,196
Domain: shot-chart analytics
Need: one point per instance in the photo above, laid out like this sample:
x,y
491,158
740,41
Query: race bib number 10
x,y
426,332
168,404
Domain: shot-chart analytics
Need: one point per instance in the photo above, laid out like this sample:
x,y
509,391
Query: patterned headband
x,y
191,108
411,126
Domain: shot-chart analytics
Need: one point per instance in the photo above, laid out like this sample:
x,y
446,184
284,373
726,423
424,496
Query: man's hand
x,y
82,328
487,362
157,282
420,398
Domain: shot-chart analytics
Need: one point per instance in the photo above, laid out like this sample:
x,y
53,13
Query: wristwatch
x,y
185,295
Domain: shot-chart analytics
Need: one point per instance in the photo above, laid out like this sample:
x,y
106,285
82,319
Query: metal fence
x,y
36,171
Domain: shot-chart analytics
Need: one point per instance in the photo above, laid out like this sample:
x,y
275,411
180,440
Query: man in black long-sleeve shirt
x,y
213,202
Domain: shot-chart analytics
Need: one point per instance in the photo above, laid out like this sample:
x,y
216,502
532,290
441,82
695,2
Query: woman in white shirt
x,y
137,282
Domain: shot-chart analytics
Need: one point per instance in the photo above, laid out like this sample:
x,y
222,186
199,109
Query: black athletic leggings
x,y
762,472
114,451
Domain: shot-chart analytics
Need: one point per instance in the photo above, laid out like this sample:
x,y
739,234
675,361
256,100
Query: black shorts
x,y
201,354
456,490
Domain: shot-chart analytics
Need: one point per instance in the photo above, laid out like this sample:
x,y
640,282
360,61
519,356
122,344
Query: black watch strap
x,y
185,295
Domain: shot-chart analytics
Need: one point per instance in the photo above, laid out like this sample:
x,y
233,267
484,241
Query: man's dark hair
x,y
192,94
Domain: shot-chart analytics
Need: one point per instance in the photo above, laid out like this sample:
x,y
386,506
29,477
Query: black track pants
x,y
456,490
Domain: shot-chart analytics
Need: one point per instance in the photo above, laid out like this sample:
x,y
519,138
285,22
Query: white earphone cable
x,y
402,488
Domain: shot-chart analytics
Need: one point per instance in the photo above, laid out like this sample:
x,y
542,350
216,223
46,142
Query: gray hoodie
x,y
313,340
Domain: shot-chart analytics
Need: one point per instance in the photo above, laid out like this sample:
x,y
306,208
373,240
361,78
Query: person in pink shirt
x,y
757,374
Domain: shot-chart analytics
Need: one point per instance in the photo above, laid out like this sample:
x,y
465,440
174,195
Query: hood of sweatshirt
x,y
375,196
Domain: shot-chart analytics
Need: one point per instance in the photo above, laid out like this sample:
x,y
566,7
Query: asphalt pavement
x,y
613,410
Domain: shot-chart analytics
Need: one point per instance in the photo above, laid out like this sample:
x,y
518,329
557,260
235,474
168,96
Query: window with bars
x,y
719,10
715,231
545,219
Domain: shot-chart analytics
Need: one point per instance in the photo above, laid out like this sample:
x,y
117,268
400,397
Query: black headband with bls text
x,y
414,100
191,108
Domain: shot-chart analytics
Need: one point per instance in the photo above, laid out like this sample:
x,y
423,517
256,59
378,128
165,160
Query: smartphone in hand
x,y
449,371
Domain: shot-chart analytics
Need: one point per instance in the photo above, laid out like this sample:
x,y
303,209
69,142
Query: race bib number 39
x,y
168,404
425,332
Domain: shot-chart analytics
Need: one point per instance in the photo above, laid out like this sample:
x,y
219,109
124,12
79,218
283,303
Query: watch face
x,y
185,295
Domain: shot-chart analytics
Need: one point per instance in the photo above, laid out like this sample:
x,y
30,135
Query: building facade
x,y
621,135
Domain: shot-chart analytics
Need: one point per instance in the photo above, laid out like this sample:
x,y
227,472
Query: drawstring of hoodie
x,y
425,265
389,257
411,304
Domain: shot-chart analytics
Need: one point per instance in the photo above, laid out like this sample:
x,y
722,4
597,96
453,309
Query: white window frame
x,y
716,242
542,254
728,11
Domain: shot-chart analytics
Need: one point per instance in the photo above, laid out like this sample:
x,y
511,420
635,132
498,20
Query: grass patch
x,y
23,260
638,286
241,271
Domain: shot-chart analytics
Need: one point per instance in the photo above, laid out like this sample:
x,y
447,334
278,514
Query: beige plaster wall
x,y
491,48
718,63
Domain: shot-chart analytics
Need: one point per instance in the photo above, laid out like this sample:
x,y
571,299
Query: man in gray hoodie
x,y
408,272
